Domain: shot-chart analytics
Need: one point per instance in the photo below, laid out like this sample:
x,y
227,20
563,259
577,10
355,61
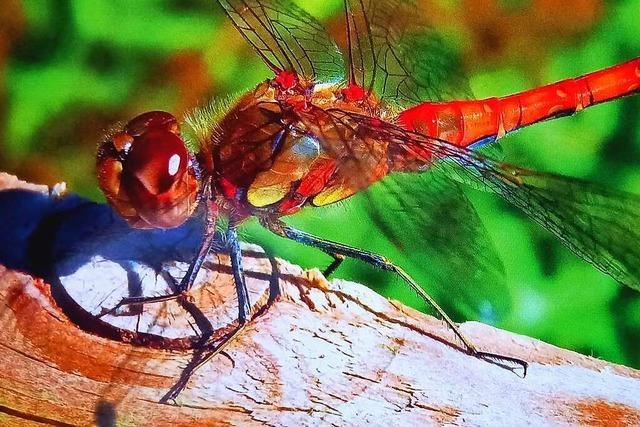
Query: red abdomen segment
x,y
466,122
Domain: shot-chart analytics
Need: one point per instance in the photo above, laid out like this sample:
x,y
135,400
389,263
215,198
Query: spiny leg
x,y
200,359
181,289
334,248
244,305
233,246
209,352
211,216
337,260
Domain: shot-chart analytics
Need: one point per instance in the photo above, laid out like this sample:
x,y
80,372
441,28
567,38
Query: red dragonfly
x,y
329,124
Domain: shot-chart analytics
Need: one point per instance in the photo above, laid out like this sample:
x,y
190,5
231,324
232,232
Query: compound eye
x,y
152,120
157,159
147,173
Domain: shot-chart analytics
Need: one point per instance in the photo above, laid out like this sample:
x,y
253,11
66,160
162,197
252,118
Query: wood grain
x,y
326,352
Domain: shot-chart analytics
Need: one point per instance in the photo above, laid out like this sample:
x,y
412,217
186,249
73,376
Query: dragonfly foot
x,y
201,357
512,364
139,302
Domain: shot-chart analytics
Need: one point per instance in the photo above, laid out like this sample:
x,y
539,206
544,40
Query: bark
x,y
325,352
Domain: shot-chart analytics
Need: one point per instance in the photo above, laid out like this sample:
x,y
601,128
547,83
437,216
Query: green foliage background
x,y
71,69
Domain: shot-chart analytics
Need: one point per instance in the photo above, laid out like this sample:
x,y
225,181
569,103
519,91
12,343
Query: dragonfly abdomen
x,y
467,122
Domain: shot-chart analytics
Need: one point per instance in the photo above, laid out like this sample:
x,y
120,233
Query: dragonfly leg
x,y
244,305
180,290
334,248
211,215
139,301
200,359
337,260
209,351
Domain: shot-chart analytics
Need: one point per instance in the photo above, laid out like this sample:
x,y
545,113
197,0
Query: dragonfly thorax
x,y
278,149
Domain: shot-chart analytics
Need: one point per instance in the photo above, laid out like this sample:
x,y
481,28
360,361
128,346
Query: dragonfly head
x,y
147,173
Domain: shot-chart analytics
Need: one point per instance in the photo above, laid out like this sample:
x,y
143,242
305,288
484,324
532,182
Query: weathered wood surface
x,y
324,353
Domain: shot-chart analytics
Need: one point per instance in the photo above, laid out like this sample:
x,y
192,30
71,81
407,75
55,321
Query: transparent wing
x,y
393,51
431,222
597,224
360,45
286,37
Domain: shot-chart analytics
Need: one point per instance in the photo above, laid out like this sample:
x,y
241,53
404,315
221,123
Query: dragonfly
x,y
333,123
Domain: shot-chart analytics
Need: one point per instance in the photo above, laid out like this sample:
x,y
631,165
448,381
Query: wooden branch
x,y
324,353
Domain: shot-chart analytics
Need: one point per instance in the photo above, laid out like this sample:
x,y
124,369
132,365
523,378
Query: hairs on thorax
x,y
203,122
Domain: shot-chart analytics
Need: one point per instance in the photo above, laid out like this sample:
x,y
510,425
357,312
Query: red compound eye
x,y
151,120
147,173
157,160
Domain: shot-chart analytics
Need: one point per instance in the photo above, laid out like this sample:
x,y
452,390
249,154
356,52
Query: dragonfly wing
x,y
393,51
360,44
430,221
286,37
597,224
